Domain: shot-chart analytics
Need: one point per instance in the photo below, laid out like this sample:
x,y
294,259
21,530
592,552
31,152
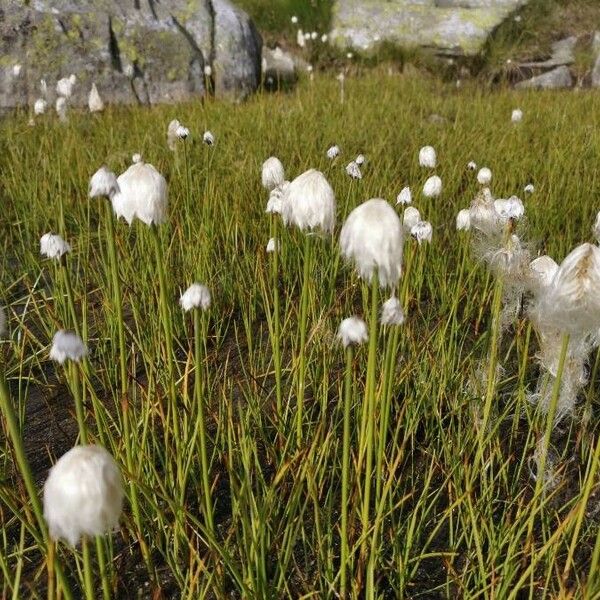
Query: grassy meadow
x,y
450,505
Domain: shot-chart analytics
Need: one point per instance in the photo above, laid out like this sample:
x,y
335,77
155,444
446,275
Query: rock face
x,y
142,51
455,27
555,79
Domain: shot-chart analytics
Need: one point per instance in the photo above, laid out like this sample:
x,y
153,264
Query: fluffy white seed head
x,y
482,213
404,197
61,108
372,238
571,303
208,138
17,69
353,170
275,203
472,165
352,330
309,202
324,38
207,70
103,183
273,173
67,345
272,245
196,296
427,157
422,232
410,218
64,86
463,220
175,132
300,39
294,19
517,115
432,187
142,194
333,151
136,158
360,159
484,176
391,312
83,494
95,103
40,106
529,188
541,272
509,209
53,246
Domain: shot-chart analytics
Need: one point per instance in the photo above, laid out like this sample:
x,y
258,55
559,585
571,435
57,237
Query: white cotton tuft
x,y
410,218
309,202
352,330
422,232
294,19
275,203
517,115
472,165
136,158
484,176
273,173
529,188
509,209
40,106
332,152
272,245
432,187
64,86
196,296
142,194
208,138
541,272
67,345
53,246
207,70
300,39
463,220
372,238
482,213
175,132
391,312
61,108
404,197
360,159
427,157
83,494
103,183
95,103
353,170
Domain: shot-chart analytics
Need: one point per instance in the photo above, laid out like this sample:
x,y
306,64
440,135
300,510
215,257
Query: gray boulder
x,y
555,79
563,53
455,27
134,50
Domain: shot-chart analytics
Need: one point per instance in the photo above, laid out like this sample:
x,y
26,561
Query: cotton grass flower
x,y
272,245
529,188
404,197
53,246
309,202
333,152
67,345
208,138
95,103
207,71
352,330
64,86
509,209
360,159
372,238
83,495
40,106
136,158
463,220
427,157
142,194
391,312
103,183
432,187
410,217
472,165
196,296
353,170
275,203
273,173
484,176
294,19
176,132
517,115
422,232
300,39
61,108
541,273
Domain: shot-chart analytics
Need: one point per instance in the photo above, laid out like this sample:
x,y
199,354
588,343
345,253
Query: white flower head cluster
x,y
512,208
404,197
196,296
353,170
142,194
175,132
95,103
40,106
208,138
275,203
53,246
65,86
410,218
333,152
422,232
67,345
516,115
352,330
463,220
83,494
372,239
103,183
484,176
309,202
427,157
432,187
61,108
472,165
391,312
273,173
360,159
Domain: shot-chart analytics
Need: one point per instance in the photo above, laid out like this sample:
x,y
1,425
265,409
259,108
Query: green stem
x,y
70,298
79,409
276,320
87,569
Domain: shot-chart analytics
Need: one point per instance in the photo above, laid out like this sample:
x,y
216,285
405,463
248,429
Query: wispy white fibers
x,y
208,138
422,232
275,203
61,108
482,214
432,187
529,188
64,86
352,330
67,345
427,157
541,273
332,152
40,106
391,312
309,202
517,115
175,132
353,170
142,194
53,246
410,218
83,494
95,103
196,296
360,159
103,183
509,209
404,197
372,238
463,220
272,245
2,322
472,165
273,173
484,176
136,158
